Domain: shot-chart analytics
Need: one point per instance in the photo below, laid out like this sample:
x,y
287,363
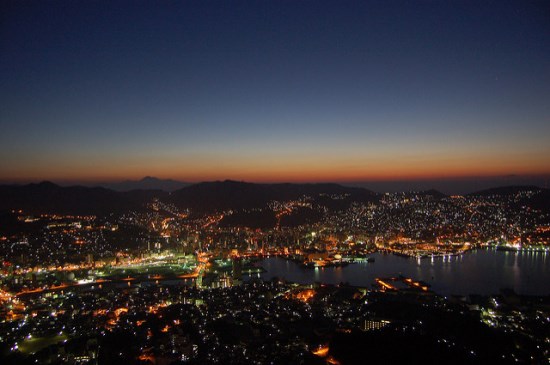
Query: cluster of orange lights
x,y
305,295
387,286
321,351
147,356
416,284
4,296
213,220
155,308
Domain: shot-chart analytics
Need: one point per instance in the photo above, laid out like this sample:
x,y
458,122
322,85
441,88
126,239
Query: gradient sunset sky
x,y
274,90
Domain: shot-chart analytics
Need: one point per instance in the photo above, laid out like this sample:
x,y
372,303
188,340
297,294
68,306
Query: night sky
x,y
339,91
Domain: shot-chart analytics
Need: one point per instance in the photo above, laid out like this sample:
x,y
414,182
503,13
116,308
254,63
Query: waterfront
x,y
483,271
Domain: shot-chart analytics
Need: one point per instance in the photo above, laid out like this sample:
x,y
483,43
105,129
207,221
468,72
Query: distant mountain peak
x,y
46,183
146,183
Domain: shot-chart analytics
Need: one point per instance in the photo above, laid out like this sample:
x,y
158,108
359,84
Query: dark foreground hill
x,y
506,190
47,197
525,196
207,197
224,195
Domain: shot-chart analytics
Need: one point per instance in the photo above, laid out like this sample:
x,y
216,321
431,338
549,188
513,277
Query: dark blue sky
x,y
274,90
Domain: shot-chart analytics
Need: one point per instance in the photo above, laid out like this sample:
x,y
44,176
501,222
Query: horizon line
x,y
447,185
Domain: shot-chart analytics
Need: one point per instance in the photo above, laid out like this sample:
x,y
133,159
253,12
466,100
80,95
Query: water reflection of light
x,y
516,265
478,271
338,274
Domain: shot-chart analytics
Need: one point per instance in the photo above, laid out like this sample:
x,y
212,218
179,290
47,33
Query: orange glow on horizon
x,y
288,169
278,178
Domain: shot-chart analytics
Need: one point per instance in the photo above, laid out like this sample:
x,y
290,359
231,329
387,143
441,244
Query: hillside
x,y
47,197
223,195
539,198
506,190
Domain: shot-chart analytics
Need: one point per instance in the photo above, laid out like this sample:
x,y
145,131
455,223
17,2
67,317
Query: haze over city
x,y
308,91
